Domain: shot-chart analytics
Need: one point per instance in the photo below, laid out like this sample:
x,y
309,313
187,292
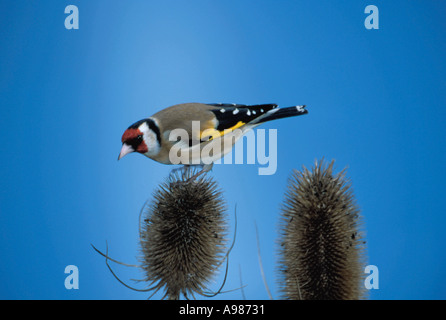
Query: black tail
x,y
279,113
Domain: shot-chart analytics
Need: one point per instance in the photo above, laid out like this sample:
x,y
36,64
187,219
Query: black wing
x,y
231,116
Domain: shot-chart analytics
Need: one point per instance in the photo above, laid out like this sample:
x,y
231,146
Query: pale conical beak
x,y
126,149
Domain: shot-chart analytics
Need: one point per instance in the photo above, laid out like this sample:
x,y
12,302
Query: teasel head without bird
x,y
322,247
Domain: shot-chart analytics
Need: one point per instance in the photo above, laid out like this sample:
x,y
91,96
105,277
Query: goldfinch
x,y
200,133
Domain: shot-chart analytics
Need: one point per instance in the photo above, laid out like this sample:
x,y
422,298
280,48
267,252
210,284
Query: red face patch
x,y
130,134
142,148
134,138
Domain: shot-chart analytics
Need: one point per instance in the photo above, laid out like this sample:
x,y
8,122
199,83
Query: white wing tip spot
x,y
300,108
235,111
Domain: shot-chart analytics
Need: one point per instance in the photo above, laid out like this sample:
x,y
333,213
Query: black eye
x,y
139,137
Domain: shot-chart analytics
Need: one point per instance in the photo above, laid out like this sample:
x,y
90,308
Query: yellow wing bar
x,y
209,134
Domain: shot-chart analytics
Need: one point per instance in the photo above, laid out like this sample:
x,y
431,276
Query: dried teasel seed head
x,y
183,235
321,245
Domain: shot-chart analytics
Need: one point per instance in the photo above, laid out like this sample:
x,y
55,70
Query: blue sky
x,y
376,101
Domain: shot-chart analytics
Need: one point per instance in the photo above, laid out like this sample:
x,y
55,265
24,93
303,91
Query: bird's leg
x,y
185,171
180,175
204,169
182,170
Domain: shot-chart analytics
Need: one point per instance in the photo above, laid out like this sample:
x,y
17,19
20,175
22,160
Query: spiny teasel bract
x,y
183,235
321,245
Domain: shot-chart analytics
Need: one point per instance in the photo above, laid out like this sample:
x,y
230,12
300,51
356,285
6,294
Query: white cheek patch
x,y
150,140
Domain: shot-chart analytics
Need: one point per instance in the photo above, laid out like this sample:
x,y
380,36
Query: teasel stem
x,y
259,256
322,247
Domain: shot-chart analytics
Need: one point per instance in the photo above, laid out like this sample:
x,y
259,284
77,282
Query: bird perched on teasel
x,y
203,132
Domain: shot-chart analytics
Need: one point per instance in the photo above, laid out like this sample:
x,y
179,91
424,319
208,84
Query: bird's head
x,y
142,137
